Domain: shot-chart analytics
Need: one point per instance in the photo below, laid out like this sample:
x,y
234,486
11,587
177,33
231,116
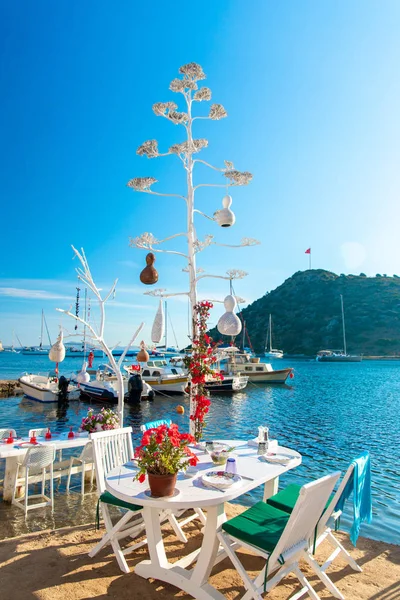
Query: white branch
x,y
218,185
198,160
160,194
133,338
204,214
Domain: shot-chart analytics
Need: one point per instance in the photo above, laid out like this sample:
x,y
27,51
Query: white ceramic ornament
x,y
157,330
225,217
57,351
229,323
83,376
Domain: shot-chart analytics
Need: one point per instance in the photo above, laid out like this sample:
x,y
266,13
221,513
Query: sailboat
x,y
272,352
29,350
12,348
165,350
338,356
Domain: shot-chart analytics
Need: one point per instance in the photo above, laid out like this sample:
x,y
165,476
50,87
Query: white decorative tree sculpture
x,y
85,275
187,85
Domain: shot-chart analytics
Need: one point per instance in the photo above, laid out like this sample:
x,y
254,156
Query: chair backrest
x,y
305,515
153,424
332,505
4,433
111,449
87,453
39,431
40,457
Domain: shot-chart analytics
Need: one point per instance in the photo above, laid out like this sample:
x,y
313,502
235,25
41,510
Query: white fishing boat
x,y
162,377
47,388
1,347
105,386
271,352
230,383
233,361
338,355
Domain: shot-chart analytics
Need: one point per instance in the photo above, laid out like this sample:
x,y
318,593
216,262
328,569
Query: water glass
x,y
231,466
209,446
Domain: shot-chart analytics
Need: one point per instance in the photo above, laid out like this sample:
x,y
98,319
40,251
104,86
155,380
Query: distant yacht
x,y
29,350
271,352
338,356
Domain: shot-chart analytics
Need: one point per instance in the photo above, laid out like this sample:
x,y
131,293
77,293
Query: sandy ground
x,y
55,565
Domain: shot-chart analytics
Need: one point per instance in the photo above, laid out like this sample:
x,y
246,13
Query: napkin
x,y
282,459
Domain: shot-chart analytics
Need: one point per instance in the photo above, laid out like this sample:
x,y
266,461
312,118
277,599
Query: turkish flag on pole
x,y
308,251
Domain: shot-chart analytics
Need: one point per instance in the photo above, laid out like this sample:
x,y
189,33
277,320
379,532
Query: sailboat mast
x,y
244,335
84,328
344,329
166,325
270,333
41,331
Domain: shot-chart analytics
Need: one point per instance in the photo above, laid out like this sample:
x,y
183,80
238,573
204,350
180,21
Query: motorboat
x,y
105,386
48,388
233,361
336,356
162,377
230,383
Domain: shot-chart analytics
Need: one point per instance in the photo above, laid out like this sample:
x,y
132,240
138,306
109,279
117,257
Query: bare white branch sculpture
x,y
187,85
85,275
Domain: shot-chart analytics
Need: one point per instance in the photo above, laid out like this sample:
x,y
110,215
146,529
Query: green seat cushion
x,y
287,498
261,525
108,498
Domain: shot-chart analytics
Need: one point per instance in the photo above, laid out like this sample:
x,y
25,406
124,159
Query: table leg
x,y
193,582
271,488
9,478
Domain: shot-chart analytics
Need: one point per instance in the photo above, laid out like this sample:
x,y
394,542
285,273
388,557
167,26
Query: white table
x,y
11,453
193,493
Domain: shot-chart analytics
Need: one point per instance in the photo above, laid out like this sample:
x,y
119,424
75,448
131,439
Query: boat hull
x,y
173,385
37,388
339,359
228,384
100,393
277,376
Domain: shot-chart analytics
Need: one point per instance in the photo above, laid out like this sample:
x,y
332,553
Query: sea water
x,y
329,412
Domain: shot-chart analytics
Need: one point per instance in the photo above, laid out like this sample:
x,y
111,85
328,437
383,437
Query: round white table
x,y
192,493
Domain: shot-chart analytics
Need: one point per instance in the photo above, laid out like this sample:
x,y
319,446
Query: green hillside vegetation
x,y
306,314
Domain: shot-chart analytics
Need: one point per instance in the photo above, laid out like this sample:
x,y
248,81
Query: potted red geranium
x,y
162,453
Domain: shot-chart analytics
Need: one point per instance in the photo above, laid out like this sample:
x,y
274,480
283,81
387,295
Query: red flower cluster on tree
x,y
199,365
163,451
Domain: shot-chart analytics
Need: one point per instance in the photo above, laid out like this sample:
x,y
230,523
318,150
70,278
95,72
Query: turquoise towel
x,y
360,485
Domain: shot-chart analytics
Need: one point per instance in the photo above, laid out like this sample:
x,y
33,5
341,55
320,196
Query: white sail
x,y
157,330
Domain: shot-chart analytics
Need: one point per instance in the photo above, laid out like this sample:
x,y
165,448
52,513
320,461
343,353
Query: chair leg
x,y
301,577
43,480
14,495
69,473
176,527
111,531
26,491
123,565
51,487
323,576
346,556
250,585
83,480
92,476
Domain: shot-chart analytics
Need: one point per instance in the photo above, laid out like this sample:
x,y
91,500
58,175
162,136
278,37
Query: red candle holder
x,y
71,434
10,439
48,434
33,438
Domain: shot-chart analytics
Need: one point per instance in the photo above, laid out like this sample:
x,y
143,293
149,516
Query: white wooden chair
x,y
41,432
85,458
111,449
198,513
280,538
35,462
284,501
4,433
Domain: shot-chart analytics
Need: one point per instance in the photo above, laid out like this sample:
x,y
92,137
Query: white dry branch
x,y
85,275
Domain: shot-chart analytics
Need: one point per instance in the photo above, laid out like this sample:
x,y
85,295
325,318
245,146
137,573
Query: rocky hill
x,y
306,314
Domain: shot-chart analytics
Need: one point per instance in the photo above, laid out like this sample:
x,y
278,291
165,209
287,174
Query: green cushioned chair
x,y
286,499
280,538
108,498
261,525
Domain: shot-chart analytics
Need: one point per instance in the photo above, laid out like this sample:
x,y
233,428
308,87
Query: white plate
x,y
174,495
220,479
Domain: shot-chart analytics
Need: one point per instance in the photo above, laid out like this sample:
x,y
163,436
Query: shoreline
x,y
57,565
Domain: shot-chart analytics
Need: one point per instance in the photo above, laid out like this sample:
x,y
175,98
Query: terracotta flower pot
x,y
162,486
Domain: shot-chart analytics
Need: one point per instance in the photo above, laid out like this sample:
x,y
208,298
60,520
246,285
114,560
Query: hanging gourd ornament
x,y
83,376
149,275
57,351
142,355
229,323
157,330
225,217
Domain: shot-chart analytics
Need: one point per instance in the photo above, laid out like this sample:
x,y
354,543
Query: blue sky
x,y
312,91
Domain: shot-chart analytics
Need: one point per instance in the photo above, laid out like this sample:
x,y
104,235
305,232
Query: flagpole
x,y
309,259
